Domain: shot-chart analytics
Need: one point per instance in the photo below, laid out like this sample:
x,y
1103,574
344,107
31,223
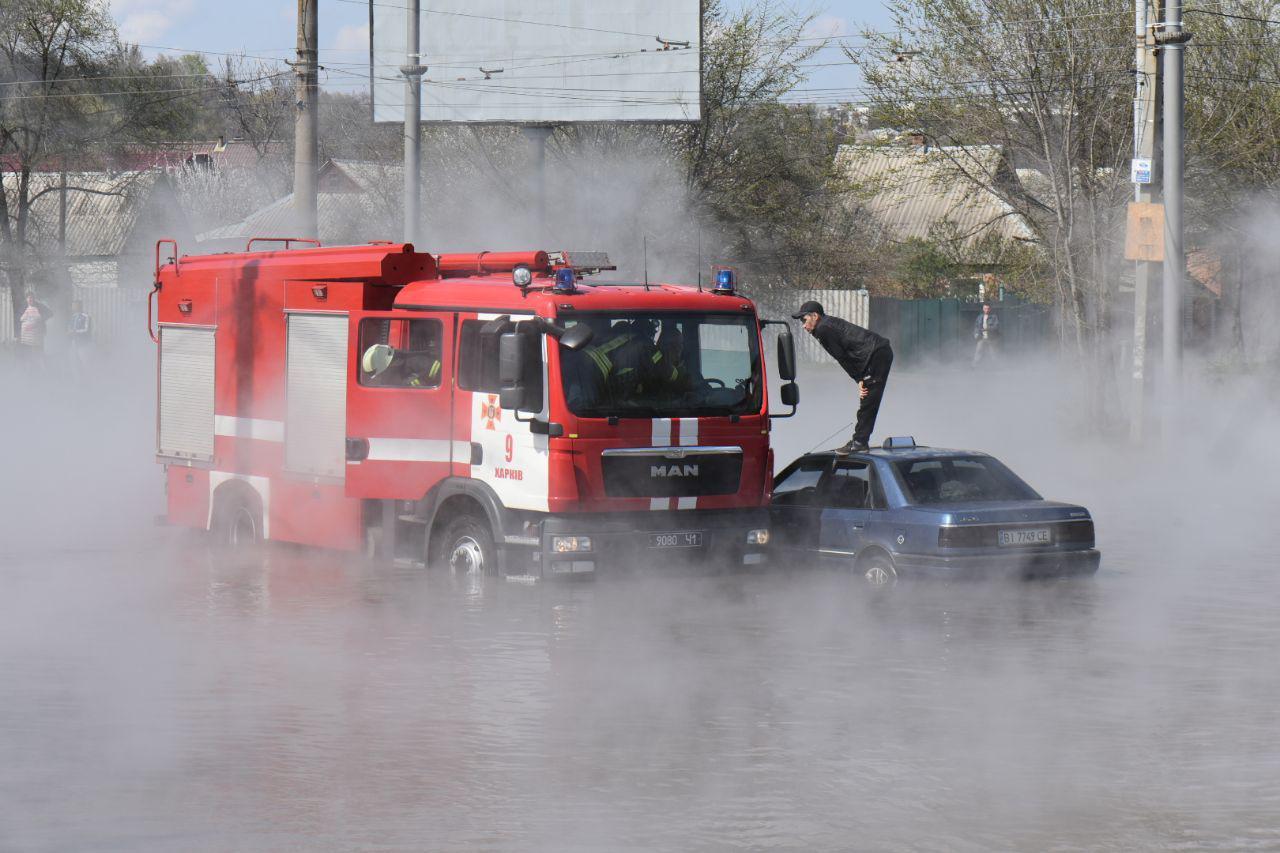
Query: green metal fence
x,y
933,330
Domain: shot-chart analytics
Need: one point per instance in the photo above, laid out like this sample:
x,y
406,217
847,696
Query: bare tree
x,y
1050,84
1233,163
50,51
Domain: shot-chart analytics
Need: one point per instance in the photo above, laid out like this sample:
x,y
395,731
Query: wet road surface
x,y
155,697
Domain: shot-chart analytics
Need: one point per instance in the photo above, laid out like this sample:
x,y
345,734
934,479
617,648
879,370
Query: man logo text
x,y
673,470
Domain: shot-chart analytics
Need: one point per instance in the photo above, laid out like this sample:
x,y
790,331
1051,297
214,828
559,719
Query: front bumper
x,y
1025,564
622,541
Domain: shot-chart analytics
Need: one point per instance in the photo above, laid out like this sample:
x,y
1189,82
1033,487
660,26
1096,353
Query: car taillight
x,y
960,537
1076,532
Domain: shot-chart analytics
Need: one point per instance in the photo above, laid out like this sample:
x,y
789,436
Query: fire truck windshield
x,y
664,365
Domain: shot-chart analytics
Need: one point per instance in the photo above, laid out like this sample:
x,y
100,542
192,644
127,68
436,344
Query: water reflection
x,y
303,700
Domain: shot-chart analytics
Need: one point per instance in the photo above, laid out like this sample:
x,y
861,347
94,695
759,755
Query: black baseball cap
x,y
808,308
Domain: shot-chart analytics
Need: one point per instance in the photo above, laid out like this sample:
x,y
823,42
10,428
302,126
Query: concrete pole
x,y
413,69
306,130
1144,143
1172,39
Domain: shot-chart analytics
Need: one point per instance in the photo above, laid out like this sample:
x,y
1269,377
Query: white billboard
x,y
542,61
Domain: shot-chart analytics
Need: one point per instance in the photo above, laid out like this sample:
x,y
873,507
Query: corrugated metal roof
x,y
102,209
913,192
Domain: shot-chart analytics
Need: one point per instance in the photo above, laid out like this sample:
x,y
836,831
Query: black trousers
x,y
877,375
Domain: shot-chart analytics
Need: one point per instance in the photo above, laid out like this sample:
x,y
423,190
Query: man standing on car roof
x,y
863,354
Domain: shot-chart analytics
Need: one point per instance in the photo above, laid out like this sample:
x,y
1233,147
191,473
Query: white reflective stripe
x,y
659,504
688,431
413,450
256,428
661,432
688,438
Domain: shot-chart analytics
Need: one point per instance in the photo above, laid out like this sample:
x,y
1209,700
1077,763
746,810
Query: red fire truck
x,y
490,410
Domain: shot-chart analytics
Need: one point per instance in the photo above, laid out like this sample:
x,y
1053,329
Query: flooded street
x,y
158,698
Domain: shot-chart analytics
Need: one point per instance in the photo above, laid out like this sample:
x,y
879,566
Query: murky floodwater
x,y
155,698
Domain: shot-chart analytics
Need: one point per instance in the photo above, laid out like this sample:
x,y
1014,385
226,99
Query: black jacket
x,y
848,344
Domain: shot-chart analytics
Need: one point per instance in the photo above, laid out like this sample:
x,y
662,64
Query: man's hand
x,y
862,390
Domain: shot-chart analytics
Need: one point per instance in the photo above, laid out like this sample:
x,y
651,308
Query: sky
x,y
267,30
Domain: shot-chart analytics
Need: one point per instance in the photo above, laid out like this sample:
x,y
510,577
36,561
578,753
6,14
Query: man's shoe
x,y
851,446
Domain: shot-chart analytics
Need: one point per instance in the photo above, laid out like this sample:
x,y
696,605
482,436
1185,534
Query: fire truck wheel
x,y
237,522
468,546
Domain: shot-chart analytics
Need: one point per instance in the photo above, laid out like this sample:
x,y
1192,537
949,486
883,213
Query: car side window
x,y
850,486
799,485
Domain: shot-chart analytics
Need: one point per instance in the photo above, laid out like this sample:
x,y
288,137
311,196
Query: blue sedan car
x,y
909,510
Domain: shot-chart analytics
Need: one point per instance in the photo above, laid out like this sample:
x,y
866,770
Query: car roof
x,y
895,455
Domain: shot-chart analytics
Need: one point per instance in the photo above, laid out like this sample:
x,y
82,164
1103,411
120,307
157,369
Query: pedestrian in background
x,y
80,334
863,354
34,323
986,332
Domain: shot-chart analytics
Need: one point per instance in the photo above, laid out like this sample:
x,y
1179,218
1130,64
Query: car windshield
x,y
664,365
961,478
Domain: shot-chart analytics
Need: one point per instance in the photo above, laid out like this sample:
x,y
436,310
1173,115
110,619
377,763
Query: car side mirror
x,y
786,356
790,394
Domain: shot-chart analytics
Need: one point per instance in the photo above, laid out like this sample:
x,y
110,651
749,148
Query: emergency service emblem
x,y
490,412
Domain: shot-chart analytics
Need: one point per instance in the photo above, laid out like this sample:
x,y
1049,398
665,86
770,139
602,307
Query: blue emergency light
x,y
725,282
564,280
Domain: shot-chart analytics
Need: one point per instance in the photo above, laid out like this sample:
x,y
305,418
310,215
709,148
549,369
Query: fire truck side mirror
x,y
577,336
790,394
516,351
786,357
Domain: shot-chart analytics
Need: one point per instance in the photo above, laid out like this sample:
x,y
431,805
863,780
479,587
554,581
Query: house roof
x,y
357,202
915,192
103,209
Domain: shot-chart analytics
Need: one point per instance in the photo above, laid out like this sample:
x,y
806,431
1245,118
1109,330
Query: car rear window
x,y
961,478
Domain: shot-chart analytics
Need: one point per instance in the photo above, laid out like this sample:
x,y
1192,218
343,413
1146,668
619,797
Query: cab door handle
x,y
857,525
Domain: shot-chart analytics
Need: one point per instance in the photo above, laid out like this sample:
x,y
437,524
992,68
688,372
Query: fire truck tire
x,y
237,521
467,546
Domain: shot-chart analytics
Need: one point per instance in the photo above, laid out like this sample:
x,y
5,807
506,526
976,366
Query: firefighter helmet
x,y
377,358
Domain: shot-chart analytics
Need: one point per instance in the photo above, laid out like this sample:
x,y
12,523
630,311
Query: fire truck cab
x,y
489,411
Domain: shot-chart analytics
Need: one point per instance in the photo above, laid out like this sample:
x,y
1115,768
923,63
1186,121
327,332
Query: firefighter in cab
x,y
623,364
387,366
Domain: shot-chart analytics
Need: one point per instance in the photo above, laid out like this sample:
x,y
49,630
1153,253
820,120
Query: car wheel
x,y
877,570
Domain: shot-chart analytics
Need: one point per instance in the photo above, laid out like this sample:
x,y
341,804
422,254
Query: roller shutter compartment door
x,y
186,393
316,395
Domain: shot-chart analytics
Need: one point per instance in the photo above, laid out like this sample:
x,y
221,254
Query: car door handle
x,y
857,525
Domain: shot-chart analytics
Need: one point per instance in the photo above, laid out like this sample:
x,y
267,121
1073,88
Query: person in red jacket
x,y
863,354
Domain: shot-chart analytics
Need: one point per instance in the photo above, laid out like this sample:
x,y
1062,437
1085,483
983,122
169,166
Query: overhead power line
x,y
1214,12
521,21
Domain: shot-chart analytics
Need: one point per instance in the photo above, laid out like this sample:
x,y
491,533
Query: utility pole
x,y
1144,142
413,69
1171,40
62,210
306,130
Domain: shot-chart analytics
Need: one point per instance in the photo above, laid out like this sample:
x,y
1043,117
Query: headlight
x,y
570,544
758,537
